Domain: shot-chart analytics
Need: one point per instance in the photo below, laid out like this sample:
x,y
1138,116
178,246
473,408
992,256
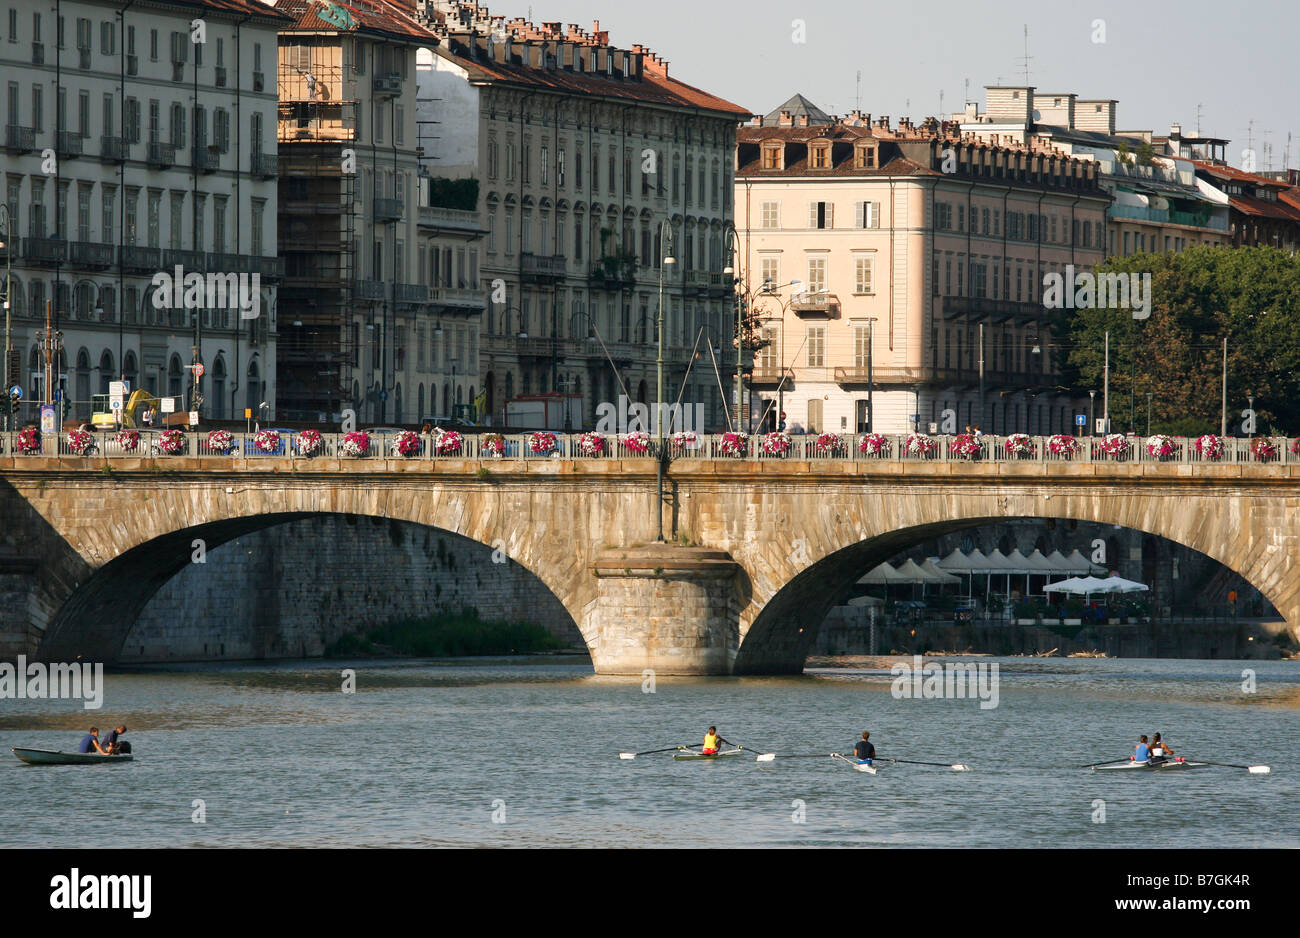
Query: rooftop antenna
x,y
1250,134
940,104
1287,163
1027,57
966,100
858,94
1199,109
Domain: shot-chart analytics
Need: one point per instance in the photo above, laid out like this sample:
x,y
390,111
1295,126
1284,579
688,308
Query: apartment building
x,y
359,322
588,157
1157,204
136,141
1264,211
901,264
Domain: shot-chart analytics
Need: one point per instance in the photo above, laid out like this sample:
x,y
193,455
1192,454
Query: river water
x,y
523,752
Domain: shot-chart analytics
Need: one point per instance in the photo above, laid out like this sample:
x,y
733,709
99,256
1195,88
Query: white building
x,y
139,138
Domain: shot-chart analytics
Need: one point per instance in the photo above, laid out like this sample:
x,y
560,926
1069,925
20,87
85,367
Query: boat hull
x,y
853,763
54,757
1171,766
699,756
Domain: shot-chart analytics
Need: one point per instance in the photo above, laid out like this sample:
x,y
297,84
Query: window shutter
x,y
830,214
873,214
812,214
859,216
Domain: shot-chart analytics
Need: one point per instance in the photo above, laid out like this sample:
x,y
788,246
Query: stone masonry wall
x,y
290,590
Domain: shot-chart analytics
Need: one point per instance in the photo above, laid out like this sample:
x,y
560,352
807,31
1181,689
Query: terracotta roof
x,y
654,87
1278,211
1291,197
239,8
380,17
1237,175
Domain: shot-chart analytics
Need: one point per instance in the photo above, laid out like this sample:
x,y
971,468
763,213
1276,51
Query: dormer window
x,y
864,157
773,156
821,155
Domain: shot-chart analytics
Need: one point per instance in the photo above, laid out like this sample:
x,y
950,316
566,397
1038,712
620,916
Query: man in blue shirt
x,y
90,742
1142,753
111,744
863,751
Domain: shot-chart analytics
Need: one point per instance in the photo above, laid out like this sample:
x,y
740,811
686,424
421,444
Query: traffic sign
x,y
1080,420
16,393
198,371
169,405
115,404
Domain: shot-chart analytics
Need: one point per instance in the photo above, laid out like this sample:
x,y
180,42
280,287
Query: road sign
x,y
16,393
169,405
48,419
115,404
1080,420
198,371
117,388
194,418
58,395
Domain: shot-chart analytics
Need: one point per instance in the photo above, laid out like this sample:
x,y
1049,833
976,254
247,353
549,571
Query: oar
x,y
1103,762
650,752
1252,769
769,756
955,766
763,757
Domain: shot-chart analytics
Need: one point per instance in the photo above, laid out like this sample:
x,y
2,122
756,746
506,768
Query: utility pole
x,y
983,410
1105,392
1223,419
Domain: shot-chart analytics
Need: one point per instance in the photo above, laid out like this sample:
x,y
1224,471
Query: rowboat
x,y
860,766
690,756
1172,765
54,757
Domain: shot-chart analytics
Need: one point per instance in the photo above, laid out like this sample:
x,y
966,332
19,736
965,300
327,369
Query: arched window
x,y
83,380
254,396
446,399
510,384
419,400
130,369
106,372
397,404
218,408
174,377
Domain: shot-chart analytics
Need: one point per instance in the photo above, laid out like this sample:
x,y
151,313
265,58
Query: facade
x,y
358,318
1157,203
583,151
134,145
1264,211
920,260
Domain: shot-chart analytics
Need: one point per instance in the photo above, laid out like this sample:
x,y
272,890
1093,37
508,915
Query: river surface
x,y
429,753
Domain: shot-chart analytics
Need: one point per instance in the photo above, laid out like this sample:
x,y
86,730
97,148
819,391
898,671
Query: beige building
x,y
133,144
919,256
583,151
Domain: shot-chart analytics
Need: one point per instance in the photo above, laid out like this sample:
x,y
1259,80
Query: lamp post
x,y
666,259
1150,395
6,242
729,248
1092,413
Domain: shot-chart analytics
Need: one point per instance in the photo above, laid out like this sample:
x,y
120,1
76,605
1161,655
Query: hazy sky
x,y
1160,60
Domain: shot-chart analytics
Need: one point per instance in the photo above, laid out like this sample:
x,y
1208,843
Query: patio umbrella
x,y
1117,584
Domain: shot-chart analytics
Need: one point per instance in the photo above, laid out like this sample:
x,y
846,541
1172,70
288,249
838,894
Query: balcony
x,y
266,165
20,139
814,304
114,149
410,294
190,260
538,347
457,299
388,209
161,155
770,375
978,307
542,267
91,254
455,218
707,282
141,259
68,145
371,291
45,250
205,158
614,273
272,268
385,85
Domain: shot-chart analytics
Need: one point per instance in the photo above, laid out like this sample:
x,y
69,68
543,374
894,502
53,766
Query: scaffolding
x,y
317,353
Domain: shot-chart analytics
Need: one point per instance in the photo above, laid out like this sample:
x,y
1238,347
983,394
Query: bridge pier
x,y
674,610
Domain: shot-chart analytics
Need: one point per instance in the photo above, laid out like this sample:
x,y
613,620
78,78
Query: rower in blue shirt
x,y
863,751
1142,753
90,743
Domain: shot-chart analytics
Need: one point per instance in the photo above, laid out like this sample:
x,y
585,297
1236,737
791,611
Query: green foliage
x,y
1144,154
459,194
1250,294
447,636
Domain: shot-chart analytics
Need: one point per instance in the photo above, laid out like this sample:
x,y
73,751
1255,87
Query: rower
x,y
1142,752
712,741
863,751
1159,749
115,746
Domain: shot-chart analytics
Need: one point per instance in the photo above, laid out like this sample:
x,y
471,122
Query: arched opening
x,y
253,397
219,388
1185,586
251,568
174,386
107,372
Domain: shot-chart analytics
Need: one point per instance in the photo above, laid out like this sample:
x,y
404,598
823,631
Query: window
x,y
771,215
219,224
861,340
816,346
821,215
769,272
399,124
108,196
821,156
943,216
864,157
862,270
546,155
867,214
816,274
559,168
153,45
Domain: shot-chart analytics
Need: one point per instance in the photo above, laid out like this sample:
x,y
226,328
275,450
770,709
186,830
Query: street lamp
x,y
667,259
871,407
6,240
1092,406
1150,395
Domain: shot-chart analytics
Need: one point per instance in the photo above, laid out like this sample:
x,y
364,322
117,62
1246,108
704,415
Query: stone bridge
x,y
757,551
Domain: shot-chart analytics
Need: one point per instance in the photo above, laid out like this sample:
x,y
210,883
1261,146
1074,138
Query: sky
x,y
1236,61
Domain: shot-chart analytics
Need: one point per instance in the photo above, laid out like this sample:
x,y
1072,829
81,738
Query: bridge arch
x,y
782,629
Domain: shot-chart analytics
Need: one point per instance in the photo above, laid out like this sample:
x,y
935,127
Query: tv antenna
x,y
1027,57
857,105
1199,109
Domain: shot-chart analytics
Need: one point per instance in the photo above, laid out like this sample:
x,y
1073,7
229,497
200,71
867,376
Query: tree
x,y
1251,295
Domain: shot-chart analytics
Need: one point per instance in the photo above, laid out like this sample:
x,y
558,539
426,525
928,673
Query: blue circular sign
x,y
16,392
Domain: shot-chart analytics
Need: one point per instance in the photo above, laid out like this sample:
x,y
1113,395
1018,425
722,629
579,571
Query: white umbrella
x,y
936,574
1074,586
1117,584
883,574
865,601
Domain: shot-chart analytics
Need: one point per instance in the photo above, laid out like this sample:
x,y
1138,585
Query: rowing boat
x,y
54,757
860,766
691,756
1134,766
